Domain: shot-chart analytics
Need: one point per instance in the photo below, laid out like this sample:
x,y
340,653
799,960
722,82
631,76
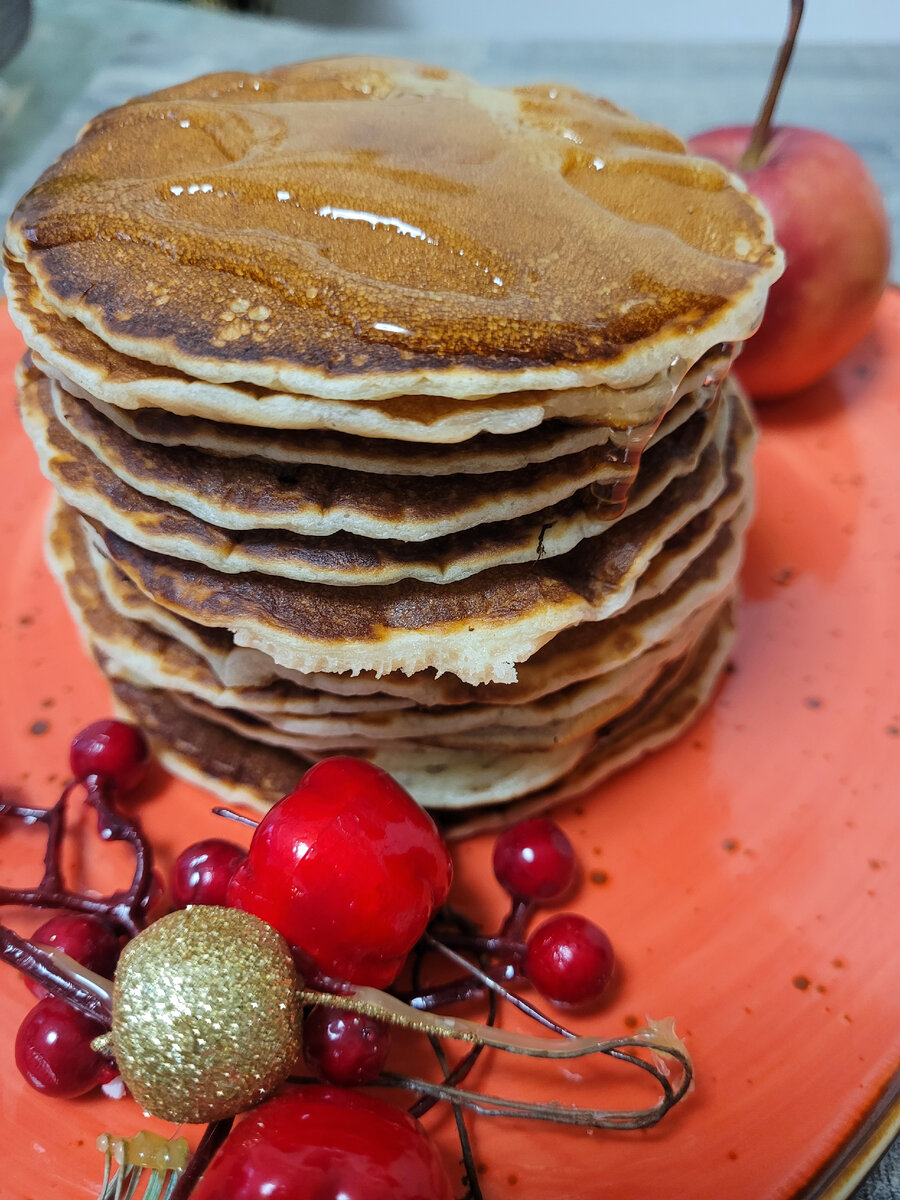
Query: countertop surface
x,y
86,55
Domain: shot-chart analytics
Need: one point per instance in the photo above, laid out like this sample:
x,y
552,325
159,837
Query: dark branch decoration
x,y
126,911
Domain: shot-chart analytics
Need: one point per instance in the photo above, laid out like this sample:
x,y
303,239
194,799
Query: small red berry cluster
x,y
568,958
53,1044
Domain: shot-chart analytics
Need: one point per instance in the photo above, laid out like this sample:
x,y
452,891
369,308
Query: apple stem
x,y
762,130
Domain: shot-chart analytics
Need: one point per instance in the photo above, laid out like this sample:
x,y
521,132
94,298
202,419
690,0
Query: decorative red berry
x,y
53,1051
202,872
113,750
569,959
348,869
325,1143
534,860
83,937
346,1049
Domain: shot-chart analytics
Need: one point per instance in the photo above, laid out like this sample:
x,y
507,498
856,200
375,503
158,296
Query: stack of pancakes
x,y
389,415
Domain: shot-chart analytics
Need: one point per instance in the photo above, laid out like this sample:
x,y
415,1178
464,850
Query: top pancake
x,y
363,228
86,366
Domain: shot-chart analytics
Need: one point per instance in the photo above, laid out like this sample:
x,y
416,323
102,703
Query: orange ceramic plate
x,y
748,876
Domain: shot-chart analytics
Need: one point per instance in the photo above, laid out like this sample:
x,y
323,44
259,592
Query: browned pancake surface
x,y
346,559
242,412
364,217
497,618
309,497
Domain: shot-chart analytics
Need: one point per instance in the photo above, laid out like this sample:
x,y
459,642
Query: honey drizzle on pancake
x,y
404,209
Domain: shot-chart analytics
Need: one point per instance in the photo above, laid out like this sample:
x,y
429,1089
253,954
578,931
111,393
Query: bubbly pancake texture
x,y
87,367
360,228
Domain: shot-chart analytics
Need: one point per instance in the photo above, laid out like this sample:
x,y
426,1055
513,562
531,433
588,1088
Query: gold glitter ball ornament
x,y
205,1019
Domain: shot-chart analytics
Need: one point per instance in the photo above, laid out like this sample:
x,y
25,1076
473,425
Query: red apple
x,y
830,221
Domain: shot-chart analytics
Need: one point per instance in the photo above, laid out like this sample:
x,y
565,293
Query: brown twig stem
x,y
762,130
213,1137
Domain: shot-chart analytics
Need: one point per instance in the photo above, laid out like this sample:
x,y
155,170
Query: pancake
x,y
234,769
241,770
477,628
139,654
483,454
408,735
582,710
703,567
234,228
86,367
648,728
207,752
87,484
167,660
421,434
316,500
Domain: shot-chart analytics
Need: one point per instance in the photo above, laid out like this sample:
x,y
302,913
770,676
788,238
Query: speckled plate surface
x,y
748,876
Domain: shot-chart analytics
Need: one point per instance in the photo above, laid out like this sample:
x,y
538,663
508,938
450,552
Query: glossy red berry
x,y
114,750
202,872
345,1048
84,937
348,869
326,1143
569,959
53,1051
156,902
534,860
